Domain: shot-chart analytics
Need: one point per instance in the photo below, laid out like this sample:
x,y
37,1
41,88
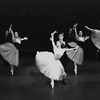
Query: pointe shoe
x,y
12,72
52,84
75,71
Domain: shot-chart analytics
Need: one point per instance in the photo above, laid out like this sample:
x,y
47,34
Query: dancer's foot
x,y
12,71
75,71
52,83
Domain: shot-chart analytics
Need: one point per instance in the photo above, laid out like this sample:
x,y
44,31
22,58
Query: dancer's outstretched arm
x,y
72,48
89,28
25,38
86,38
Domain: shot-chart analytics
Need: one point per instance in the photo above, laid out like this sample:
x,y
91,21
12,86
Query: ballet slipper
x,y
75,68
75,71
52,84
12,71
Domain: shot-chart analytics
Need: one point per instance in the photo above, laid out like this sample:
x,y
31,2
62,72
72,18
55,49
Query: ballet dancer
x,y
95,37
76,55
15,39
80,37
49,64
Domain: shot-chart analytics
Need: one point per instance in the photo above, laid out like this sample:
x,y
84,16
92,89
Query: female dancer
x,y
63,59
49,64
80,37
11,53
16,39
95,37
77,56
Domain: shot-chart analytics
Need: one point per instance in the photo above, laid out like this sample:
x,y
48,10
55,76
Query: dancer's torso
x,y
9,40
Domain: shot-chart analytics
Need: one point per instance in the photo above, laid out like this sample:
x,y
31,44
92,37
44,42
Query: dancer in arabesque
x,y
49,64
8,51
77,56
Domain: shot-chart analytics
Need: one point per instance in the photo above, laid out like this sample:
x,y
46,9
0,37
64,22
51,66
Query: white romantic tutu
x,y
95,37
49,66
10,53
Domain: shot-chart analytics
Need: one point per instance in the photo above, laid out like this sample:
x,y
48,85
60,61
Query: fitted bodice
x,y
58,52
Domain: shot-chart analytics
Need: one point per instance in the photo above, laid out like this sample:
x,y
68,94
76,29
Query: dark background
x,y
36,19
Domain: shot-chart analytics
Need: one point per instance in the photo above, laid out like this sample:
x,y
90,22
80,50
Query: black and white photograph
x,y
49,49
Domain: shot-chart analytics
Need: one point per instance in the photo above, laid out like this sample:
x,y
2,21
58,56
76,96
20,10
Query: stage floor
x,y
29,84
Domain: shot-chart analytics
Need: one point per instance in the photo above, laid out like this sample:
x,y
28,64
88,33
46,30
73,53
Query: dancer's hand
x,y
26,38
75,25
87,37
87,27
53,33
50,39
10,26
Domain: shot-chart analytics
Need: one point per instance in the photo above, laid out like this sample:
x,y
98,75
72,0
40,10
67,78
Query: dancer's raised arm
x,y
76,34
52,38
89,28
10,27
25,38
12,33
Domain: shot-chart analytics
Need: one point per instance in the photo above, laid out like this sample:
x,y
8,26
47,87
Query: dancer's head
x,y
61,36
16,34
80,33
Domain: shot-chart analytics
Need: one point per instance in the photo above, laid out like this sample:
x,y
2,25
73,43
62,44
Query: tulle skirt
x,y
49,66
96,40
75,55
97,44
10,53
95,37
